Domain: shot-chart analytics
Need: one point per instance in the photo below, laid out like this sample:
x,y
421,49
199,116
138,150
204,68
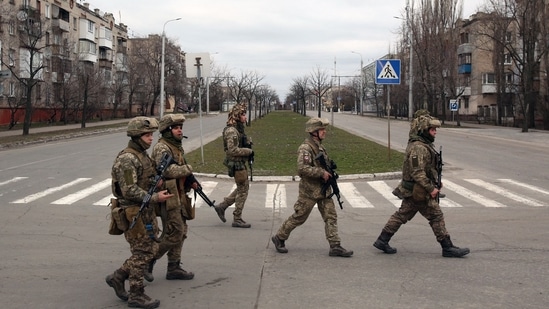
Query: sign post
x,y
388,73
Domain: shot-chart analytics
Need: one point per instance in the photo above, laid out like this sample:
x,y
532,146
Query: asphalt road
x,y
55,250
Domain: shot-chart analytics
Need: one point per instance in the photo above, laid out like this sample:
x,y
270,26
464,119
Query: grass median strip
x,y
276,138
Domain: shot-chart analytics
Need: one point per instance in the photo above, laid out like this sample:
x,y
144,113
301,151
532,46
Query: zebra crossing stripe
x,y
207,188
470,194
527,186
353,196
34,197
275,196
504,192
71,198
14,179
104,201
382,188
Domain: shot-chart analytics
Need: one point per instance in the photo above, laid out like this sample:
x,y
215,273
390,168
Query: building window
x,y
464,38
464,59
12,89
509,78
11,57
507,59
90,26
11,28
488,78
508,37
47,11
465,102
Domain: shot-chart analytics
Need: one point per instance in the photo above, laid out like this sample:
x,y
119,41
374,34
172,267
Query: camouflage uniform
x,y
419,179
237,153
132,174
174,210
310,193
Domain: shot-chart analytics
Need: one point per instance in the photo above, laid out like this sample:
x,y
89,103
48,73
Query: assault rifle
x,y
166,161
188,183
332,182
439,171
247,144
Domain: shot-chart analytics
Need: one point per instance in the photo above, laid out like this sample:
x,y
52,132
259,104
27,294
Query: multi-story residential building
x,y
50,44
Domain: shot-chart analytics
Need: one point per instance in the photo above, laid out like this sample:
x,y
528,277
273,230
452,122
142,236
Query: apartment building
x,y
49,44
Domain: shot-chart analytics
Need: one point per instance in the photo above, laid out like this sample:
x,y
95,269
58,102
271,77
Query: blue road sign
x,y
454,106
388,72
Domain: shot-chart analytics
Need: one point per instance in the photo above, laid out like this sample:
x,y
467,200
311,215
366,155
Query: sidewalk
x,y
71,126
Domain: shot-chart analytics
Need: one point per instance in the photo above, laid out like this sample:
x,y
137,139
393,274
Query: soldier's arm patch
x,y
306,158
128,177
415,161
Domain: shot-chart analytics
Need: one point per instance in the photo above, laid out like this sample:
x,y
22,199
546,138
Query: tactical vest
x,y
316,150
144,180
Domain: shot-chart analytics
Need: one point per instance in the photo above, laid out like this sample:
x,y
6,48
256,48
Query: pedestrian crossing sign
x,y
388,72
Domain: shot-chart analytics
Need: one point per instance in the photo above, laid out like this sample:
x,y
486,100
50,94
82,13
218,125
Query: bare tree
x,y
299,90
319,85
25,57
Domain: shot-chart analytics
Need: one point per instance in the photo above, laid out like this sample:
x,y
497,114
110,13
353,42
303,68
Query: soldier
x,y
419,187
313,176
132,173
413,135
238,149
178,209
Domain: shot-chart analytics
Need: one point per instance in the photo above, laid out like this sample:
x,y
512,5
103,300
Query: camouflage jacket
x,y
132,174
420,164
309,169
234,150
175,171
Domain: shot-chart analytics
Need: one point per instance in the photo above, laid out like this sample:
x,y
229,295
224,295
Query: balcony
x,y
464,69
463,91
466,48
489,88
60,24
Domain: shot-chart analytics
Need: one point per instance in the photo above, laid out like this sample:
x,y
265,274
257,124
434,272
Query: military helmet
x,y
140,125
426,122
315,124
170,120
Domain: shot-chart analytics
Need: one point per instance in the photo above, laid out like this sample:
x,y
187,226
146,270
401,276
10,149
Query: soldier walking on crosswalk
x,y
238,150
178,209
132,173
313,177
419,188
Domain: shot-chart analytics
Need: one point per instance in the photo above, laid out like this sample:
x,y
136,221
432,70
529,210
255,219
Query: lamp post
x,y
162,104
361,83
208,89
411,67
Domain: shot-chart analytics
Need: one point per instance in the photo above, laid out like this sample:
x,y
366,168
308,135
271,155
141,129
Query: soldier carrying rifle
x,y
312,190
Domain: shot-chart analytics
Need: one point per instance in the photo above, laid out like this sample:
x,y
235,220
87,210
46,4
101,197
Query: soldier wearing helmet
x,y
419,188
132,173
238,148
312,178
178,209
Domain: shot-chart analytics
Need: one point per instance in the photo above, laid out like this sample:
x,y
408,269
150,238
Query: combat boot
x,y
138,299
148,273
175,272
337,250
241,223
449,250
220,209
279,244
382,243
116,281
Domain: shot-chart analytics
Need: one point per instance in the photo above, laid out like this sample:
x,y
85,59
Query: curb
x,y
379,176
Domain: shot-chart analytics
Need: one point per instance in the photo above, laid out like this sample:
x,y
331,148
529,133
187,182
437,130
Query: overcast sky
x,y
279,39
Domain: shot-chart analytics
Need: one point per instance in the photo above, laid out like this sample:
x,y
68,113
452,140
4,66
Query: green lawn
x,y
276,138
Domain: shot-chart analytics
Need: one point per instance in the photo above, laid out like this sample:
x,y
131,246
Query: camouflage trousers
x,y
142,247
240,194
174,235
302,209
408,209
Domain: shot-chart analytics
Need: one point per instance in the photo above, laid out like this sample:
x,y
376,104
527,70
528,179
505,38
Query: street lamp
x,y
208,89
411,68
361,82
162,104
